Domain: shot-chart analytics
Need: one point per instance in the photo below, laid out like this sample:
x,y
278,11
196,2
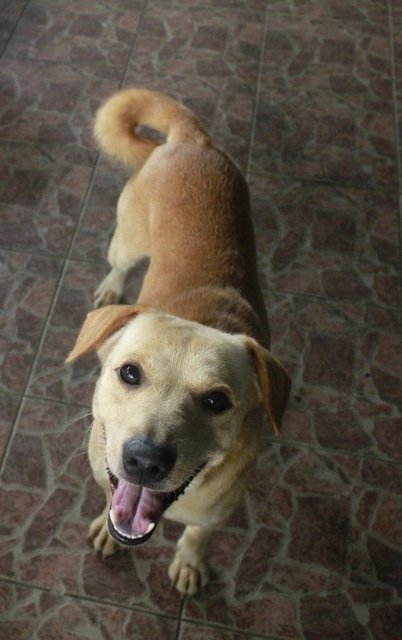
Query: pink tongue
x,y
135,508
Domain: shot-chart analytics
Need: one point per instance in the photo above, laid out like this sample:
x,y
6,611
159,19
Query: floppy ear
x,y
99,325
273,380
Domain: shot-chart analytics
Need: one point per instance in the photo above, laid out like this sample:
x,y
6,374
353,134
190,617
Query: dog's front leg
x,y
189,570
100,537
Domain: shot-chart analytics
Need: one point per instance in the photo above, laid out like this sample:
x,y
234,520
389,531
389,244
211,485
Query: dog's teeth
x,y
133,536
149,528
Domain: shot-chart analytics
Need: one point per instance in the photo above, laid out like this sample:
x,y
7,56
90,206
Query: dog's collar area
x,y
135,510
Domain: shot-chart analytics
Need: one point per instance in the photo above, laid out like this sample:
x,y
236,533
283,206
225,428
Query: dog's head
x,y
172,398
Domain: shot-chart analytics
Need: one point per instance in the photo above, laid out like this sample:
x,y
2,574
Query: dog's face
x,y
177,385
172,398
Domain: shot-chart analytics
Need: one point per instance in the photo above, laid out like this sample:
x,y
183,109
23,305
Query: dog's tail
x,y
117,118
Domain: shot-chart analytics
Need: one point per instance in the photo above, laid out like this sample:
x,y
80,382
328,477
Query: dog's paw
x,y
110,289
104,296
101,539
188,577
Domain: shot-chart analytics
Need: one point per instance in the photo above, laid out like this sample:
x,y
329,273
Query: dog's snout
x,y
147,463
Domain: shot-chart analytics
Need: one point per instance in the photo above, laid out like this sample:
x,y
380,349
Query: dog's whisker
x,y
74,420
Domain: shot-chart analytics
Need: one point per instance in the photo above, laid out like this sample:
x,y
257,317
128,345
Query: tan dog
x,y
186,374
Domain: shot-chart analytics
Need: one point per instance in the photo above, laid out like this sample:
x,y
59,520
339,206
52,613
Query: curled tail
x,y
117,118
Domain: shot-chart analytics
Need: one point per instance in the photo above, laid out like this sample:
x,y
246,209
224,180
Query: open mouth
x,y
136,510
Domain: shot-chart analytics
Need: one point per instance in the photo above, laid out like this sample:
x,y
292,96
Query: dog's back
x,y
191,202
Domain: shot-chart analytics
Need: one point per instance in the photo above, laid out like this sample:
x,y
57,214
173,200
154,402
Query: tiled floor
x,y
306,96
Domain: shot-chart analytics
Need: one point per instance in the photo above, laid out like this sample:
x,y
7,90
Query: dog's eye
x,y
130,374
216,401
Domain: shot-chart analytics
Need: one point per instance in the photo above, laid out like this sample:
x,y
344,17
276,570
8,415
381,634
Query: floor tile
x,y
39,615
27,284
52,378
51,104
325,106
396,52
41,198
334,242
48,498
343,358
200,632
96,37
210,58
99,216
8,410
10,12
366,12
213,5
47,152
323,527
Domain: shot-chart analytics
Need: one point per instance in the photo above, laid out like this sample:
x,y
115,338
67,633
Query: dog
x,y
187,374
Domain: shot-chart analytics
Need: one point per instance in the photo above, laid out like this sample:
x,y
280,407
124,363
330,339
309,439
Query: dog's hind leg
x,y
129,245
189,570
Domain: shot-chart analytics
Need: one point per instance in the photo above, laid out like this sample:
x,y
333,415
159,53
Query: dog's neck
x,y
222,308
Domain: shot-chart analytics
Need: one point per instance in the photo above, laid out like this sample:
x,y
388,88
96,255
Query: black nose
x,y
147,463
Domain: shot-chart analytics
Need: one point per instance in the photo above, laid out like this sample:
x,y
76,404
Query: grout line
x,y
45,326
333,301
229,628
46,323
114,605
134,43
58,286
396,126
257,94
269,289
85,598
13,30
179,618
298,444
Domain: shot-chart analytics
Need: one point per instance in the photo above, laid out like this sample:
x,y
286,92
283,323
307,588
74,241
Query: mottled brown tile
x,y
211,5
331,616
99,217
325,552
8,411
52,378
368,13
386,622
51,104
10,12
396,52
195,631
336,242
27,284
319,531
48,498
325,107
96,37
344,386
40,615
209,60
41,199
